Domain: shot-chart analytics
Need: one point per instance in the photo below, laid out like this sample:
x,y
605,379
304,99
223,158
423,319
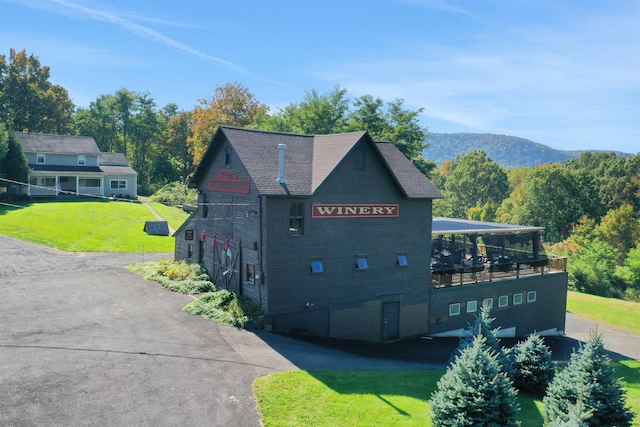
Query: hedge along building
x,y
330,234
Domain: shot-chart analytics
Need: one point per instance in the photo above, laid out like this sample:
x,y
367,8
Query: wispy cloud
x,y
146,32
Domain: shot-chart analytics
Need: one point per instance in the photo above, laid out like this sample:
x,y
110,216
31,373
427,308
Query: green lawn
x,y
84,226
400,398
616,312
386,398
174,216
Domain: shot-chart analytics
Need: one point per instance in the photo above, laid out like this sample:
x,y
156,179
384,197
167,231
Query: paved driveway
x,y
83,342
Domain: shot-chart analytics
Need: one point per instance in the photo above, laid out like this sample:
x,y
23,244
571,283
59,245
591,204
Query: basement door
x,y
390,320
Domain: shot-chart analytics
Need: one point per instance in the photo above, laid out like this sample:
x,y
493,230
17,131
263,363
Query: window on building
x,y
82,160
118,184
41,159
251,273
317,266
227,158
472,306
503,301
361,262
517,298
401,259
454,309
190,251
358,159
89,182
487,302
296,218
532,296
205,206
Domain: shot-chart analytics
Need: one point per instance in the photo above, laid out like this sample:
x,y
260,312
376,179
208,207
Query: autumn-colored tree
x,y
232,105
28,100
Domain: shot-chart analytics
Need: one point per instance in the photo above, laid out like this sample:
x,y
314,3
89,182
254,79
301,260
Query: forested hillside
x,y
507,151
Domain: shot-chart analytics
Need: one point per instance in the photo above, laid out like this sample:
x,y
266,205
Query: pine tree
x,y
475,391
482,326
13,166
533,367
589,374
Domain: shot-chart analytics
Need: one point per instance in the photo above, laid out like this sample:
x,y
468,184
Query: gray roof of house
x,y
442,226
57,144
113,159
309,160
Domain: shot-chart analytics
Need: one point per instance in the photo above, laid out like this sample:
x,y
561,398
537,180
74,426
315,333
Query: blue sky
x,y
561,73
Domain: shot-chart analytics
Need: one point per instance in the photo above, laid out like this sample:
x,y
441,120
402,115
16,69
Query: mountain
x,y
507,151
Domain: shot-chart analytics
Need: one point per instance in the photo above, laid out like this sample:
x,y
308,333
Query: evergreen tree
x,y
14,165
589,375
533,367
475,391
482,326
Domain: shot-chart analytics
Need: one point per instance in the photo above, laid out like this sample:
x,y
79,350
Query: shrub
x,y
175,193
533,367
475,391
588,376
227,308
177,276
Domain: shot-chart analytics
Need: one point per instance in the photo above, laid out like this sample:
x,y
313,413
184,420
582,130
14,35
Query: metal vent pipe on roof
x,y
282,148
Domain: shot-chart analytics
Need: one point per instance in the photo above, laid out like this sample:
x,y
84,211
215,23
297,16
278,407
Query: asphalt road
x,y
83,341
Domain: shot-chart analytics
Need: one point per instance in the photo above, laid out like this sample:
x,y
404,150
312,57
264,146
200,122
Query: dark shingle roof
x,y
57,144
309,160
113,159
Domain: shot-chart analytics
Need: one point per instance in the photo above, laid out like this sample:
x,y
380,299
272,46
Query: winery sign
x,y
227,181
321,210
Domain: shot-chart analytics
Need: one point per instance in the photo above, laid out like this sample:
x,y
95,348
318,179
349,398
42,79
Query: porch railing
x,y
489,272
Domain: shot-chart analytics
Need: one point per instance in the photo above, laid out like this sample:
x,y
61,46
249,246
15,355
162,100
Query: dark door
x,y
201,252
390,320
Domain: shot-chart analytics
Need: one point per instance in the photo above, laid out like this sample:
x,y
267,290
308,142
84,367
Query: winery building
x,y
332,235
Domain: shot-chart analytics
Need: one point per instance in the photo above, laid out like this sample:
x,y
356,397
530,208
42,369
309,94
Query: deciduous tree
x,y
28,100
232,105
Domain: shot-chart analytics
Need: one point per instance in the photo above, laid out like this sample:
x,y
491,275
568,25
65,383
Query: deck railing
x,y
489,272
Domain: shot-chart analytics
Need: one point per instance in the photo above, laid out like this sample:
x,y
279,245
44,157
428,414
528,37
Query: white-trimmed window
x,y
517,298
503,300
472,306
362,263
41,159
488,302
532,296
401,259
118,184
82,160
317,266
454,309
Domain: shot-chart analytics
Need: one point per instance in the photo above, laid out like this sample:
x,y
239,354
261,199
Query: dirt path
x,y
145,201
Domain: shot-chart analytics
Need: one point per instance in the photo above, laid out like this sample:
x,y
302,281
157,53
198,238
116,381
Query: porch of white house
x,y
54,185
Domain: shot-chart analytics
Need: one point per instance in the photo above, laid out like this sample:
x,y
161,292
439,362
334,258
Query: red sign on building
x,y
321,210
227,181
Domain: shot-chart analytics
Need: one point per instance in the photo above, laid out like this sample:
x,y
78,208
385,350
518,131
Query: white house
x,y
62,164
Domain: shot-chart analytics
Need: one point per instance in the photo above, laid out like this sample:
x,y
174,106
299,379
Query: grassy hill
x,y
507,151
87,226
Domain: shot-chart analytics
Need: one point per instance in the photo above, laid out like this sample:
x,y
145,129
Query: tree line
x,y
589,206
163,144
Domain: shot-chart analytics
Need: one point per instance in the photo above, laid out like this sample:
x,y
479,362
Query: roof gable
x,y
309,161
57,144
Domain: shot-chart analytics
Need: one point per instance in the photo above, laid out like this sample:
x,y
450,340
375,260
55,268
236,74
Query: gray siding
x,y
547,312
352,298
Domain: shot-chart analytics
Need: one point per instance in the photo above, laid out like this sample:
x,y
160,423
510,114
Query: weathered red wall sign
x,y
321,210
228,182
